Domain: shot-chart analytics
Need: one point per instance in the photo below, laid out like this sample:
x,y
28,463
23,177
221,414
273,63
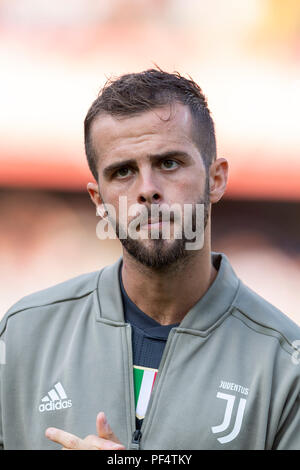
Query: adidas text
x,y
55,405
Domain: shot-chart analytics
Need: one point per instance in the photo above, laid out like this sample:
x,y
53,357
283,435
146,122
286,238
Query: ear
x,y
95,195
218,175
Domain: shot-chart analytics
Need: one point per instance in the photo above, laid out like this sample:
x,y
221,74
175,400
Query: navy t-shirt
x,y
148,342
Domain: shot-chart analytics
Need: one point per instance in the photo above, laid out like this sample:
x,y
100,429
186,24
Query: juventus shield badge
x,y
233,417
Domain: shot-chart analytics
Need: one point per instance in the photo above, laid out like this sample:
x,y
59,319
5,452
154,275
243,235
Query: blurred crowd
x,y
48,237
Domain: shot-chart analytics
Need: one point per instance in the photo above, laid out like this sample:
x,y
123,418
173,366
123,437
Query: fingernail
x,y
50,432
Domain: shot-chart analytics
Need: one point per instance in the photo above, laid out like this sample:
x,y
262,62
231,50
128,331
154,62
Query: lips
x,y
154,221
157,220
151,223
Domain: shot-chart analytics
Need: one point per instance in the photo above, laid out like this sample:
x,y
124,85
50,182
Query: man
x,y
167,348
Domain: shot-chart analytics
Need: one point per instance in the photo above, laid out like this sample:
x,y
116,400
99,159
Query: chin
x,y
156,254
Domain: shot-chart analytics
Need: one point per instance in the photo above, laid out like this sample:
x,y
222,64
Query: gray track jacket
x,y
229,377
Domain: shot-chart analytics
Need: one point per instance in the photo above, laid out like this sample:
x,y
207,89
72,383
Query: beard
x,y
160,254
156,254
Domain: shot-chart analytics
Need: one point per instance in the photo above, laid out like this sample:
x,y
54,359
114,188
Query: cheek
x,y
111,192
111,201
125,208
188,190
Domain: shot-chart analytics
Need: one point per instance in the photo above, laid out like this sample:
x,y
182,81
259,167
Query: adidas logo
x,y
56,399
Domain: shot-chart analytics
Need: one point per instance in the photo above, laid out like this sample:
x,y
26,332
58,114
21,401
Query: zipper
x,y
137,433
135,442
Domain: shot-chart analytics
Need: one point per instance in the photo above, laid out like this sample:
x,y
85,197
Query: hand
x,y
106,439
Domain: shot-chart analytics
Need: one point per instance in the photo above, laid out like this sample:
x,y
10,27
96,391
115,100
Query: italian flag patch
x,y
144,379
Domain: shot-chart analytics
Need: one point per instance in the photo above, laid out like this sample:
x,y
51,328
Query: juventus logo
x,y
227,418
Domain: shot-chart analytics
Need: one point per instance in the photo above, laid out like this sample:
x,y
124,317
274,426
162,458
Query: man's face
x,y
150,158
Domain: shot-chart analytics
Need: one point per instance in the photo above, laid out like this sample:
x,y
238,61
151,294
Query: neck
x,y
167,296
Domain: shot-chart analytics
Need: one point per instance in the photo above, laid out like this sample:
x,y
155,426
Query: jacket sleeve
x,y
288,437
2,364
1,433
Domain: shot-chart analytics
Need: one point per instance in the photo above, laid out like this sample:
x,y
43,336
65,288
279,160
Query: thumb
x,y
103,428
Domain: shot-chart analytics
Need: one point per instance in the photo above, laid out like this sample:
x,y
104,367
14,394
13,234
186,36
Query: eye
x,y
122,172
169,164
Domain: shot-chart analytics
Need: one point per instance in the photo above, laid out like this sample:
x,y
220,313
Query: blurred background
x,y
54,58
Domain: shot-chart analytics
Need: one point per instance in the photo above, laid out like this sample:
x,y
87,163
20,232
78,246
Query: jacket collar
x,y
204,314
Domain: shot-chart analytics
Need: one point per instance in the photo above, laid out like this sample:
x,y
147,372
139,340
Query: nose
x,y
148,191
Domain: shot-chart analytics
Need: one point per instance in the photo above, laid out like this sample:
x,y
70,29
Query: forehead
x,y
171,123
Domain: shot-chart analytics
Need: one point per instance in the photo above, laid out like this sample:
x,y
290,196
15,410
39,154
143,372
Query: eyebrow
x,y
107,171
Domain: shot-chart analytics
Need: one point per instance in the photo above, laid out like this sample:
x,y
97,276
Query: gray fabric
x,y
232,348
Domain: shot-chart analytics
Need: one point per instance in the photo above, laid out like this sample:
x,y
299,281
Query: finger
x,y
86,448
98,443
103,428
66,439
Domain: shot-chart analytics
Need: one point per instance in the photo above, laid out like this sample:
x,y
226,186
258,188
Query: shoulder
x,y
264,318
72,289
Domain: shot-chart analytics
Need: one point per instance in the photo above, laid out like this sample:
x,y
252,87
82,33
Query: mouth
x,y
149,225
155,222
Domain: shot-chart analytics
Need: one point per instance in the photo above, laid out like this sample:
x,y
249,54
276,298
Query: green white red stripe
x,y
144,379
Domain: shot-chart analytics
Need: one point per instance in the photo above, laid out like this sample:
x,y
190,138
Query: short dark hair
x,y
134,93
